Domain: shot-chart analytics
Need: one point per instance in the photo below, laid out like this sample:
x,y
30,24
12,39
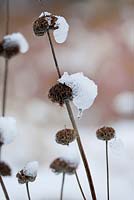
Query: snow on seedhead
x,y
84,90
61,26
31,169
61,33
8,129
16,38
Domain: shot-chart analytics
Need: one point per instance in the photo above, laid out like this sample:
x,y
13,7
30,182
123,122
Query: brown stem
x,y
78,181
7,17
62,186
4,188
69,109
28,192
4,97
107,166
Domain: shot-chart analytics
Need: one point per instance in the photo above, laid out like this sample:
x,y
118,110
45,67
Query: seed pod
x,y
22,178
105,133
5,170
61,165
65,136
8,51
59,93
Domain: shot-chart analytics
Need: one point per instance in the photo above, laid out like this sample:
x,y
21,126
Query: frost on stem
x,y
46,21
105,133
13,44
84,90
8,130
28,173
65,136
62,165
59,93
5,170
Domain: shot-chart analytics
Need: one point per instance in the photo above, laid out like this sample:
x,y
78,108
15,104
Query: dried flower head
x,y
59,93
65,136
8,130
61,165
105,133
28,173
12,44
5,170
46,21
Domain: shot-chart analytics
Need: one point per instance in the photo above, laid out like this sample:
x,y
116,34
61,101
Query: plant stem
x,y
71,116
7,17
78,181
107,165
28,192
5,88
4,188
62,186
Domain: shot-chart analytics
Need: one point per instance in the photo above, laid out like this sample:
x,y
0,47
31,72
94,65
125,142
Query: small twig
x,y
28,192
4,188
7,17
78,181
107,165
62,186
69,109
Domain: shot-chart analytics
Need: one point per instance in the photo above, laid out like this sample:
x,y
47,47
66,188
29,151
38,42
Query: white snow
x,y
8,129
45,14
124,102
61,33
31,169
84,90
16,38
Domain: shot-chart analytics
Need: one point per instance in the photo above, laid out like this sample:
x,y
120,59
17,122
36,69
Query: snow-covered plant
x,y
47,21
13,44
8,129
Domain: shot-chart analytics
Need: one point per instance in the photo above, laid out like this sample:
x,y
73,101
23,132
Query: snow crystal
x,y
45,14
16,38
84,90
61,33
8,129
31,169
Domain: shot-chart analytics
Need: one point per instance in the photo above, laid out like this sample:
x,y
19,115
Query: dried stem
x,y
4,188
71,116
78,181
28,192
62,186
107,166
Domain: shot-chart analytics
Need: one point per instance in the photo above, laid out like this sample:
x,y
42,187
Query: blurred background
x,y
101,45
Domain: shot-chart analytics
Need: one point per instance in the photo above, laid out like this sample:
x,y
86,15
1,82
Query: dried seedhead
x,y
22,178
44,23
65,136
105,133
61,165
5,170
8,51
59,93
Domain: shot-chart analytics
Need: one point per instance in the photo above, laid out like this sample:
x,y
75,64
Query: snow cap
x,y
31,169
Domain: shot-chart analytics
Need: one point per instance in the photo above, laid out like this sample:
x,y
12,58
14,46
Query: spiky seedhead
x,y
61,165
5,170
105,133
65,136
59,93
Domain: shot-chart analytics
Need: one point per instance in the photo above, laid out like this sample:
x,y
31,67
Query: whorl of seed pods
x,y
22,178
65,136
105,133
43,24
5,170
8,51
59,93
60,165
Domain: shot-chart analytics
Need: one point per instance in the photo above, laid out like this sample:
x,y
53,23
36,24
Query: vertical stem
x,y
7,17
28,192
107,166
5,87
54,55
4,189
81,149
78,181
62,186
